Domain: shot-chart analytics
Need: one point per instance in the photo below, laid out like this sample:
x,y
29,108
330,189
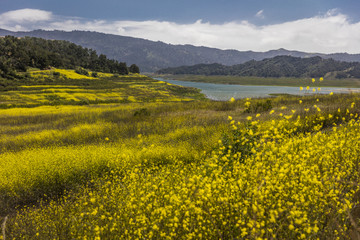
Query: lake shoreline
x,y
261,81
224,92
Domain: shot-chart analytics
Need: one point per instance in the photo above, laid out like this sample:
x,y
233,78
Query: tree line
x,y
19,54
279,66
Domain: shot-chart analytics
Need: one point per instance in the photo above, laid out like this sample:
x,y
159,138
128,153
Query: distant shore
x,y
260,81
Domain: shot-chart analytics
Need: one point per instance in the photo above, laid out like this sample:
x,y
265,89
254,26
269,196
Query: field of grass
x,y
291,82
279,168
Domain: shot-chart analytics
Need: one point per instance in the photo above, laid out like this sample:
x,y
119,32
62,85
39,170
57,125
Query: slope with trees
x,y
280,66
18,54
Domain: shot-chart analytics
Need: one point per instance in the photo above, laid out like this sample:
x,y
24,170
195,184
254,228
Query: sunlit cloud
x,y
327,33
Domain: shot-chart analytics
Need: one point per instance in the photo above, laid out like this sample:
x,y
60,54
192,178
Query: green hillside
x,y
20,54
280,66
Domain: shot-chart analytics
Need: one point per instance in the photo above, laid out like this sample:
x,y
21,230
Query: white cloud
x,y
327,33
25,16
24,19
260,14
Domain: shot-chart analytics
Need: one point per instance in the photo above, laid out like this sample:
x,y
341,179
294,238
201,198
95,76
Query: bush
x,y
260,106
56,74
142,112
82,71
341,75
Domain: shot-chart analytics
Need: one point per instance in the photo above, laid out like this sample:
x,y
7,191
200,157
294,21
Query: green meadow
x,y
130,157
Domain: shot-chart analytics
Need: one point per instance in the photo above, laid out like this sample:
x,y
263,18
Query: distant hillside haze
x,y
152,56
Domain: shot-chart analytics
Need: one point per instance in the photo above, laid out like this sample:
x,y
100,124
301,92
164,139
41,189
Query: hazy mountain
x,y
151,56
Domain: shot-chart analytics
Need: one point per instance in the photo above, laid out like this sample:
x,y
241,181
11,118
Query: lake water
x,y
223,92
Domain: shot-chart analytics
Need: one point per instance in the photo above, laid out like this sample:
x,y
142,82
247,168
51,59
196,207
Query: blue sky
x,y
259,25
184,11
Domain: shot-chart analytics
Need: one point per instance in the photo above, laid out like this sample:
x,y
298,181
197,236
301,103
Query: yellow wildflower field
x,y
71,88
279,168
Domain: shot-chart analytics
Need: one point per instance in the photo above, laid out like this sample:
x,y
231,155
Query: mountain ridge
x,y
152,56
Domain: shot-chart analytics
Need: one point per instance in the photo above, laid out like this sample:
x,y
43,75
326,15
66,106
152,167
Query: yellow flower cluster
x,y
71,74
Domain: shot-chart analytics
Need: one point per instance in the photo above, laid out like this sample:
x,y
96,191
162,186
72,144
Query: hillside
x,y
151,56
17,55
36,72
280,66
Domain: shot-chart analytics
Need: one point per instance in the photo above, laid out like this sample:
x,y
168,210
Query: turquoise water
x,y
224,92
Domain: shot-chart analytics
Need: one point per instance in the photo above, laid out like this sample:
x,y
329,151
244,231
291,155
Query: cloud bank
x,y
328,33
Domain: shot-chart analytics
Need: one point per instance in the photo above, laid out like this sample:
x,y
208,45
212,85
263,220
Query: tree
x,y
134,69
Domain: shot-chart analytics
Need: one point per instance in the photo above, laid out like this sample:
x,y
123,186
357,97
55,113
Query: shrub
x,y
259,106
81,71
